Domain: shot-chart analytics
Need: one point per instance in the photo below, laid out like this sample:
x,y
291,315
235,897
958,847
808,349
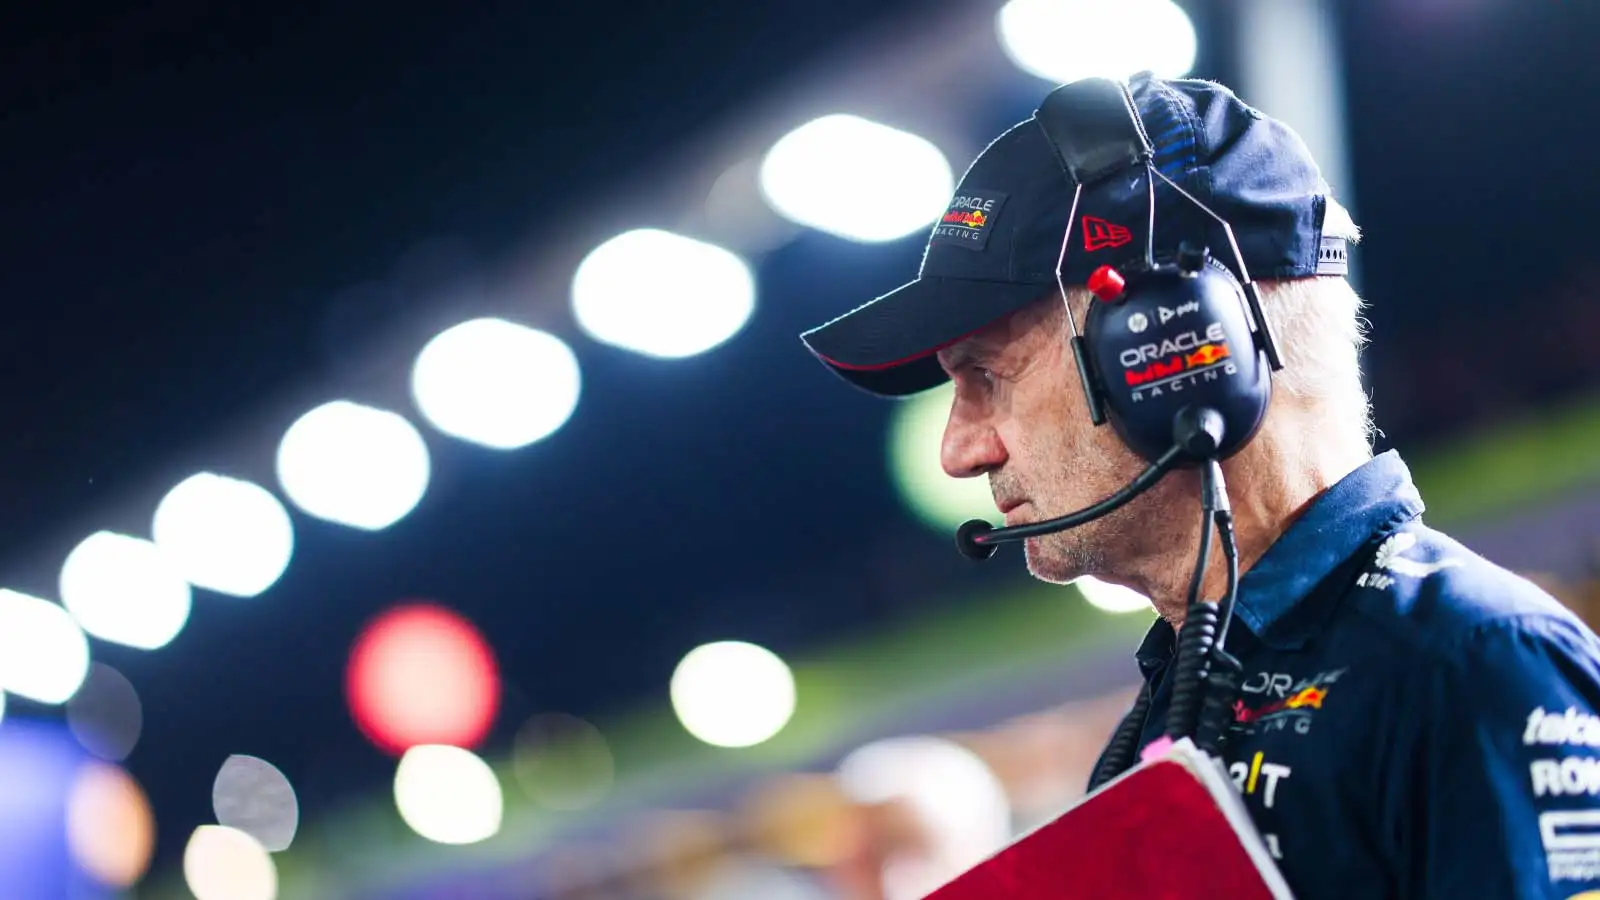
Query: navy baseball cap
x,y
995,248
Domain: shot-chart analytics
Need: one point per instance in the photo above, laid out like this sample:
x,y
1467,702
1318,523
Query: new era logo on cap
x,y
1099,234
969,219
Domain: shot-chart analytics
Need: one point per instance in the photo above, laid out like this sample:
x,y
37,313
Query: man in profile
x,y
1414,721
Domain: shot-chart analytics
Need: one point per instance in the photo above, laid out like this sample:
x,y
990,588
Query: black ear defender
x,y
1177,355
1172,337
1159,336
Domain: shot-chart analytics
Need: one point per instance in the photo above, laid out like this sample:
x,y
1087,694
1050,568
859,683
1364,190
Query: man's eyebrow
x,y
967,353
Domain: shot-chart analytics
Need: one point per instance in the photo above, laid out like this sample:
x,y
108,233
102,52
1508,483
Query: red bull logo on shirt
x,y
1289,702
1308,698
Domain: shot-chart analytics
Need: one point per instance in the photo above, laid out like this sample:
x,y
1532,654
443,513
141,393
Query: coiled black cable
x,y
1224,678
1196,643
1196,639
1206,678
1121,753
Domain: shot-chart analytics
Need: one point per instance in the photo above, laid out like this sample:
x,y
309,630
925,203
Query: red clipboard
x,y
1171,828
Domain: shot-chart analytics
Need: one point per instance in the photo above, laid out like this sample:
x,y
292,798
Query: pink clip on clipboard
x,y
1171,828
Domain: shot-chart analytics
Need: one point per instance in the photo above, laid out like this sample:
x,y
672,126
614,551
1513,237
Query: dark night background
x,y
205,210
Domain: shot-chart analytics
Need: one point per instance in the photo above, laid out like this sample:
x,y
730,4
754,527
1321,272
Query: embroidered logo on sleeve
x,y
1388,560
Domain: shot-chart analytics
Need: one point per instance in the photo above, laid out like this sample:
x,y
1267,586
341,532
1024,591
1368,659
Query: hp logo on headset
x,y
1138,322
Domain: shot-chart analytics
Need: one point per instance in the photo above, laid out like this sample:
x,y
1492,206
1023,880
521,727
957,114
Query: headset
x,y
1176,355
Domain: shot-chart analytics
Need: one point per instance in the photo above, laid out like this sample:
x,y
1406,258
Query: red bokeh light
x,y
422,674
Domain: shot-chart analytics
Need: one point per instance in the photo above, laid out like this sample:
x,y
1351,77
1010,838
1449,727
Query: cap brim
x,y
887,347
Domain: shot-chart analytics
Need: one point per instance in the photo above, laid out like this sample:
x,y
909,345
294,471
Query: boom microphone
x,y
979,540
1198,432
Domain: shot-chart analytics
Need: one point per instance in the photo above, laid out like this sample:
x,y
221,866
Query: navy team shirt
x,y
1415,721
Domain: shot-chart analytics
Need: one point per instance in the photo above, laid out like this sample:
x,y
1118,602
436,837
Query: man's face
x,y
1020,418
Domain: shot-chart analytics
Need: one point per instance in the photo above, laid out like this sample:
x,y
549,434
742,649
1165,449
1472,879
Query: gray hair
x,y
1320,330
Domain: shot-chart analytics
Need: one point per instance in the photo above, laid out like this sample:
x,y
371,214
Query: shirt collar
x,y
1157,648
1368,503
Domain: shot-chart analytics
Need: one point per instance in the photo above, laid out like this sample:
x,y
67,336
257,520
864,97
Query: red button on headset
x,y
1106,283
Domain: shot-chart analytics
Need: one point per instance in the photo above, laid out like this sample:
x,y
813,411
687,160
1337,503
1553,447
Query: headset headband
x,y
1094,128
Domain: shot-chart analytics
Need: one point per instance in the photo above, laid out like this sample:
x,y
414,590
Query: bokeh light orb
x,y
125,590
254,796
562,762
44,654
898,182
1111,598
661,294
1041,37
448,795
422,674
916,429
110,829
961,808
105,715
733,693
496,383
354,465
224,534
222,863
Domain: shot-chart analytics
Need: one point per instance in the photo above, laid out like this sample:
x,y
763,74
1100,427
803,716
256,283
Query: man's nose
x,y
970,448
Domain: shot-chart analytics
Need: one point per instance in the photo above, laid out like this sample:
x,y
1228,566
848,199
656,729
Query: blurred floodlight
x,y
1052,38
252,795
111,832
733,694
222,863
957,802
496,383
422,674
224,534
448,795
662,294
44,655
354,465
562,762
1112,598
916,428
125,590
105,714
857,179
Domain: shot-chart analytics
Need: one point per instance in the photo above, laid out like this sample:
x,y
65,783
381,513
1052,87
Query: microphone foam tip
x,y
966,540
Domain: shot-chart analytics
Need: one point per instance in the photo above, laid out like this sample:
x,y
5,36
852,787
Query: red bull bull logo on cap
x,y
966,218
969,219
